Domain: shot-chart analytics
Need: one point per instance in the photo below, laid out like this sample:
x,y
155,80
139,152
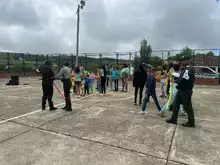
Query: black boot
x,y
188,124
53,108
68,109
170,121
43,107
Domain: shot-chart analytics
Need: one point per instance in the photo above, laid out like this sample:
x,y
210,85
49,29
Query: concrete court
x,y
104,130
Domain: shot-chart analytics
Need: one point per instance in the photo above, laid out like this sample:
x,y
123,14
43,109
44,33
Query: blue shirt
x,y
87,81
151,84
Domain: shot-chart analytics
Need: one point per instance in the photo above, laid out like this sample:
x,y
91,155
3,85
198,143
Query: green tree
x,y
185,54
210,53
155,61
145,51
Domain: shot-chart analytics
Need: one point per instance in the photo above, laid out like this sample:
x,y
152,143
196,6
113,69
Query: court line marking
x,y
34,112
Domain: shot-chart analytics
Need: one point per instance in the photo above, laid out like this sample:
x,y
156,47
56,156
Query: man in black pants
x,y
184,96
139,80
47,84
64,75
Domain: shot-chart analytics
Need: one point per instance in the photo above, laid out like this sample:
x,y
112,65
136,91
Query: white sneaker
x,y
162,114
143,112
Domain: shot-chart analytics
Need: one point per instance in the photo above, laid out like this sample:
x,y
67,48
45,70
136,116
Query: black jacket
x,y
140,78
47,74
186,80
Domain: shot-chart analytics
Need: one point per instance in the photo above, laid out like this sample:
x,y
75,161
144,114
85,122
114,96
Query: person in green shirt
x,y
124,76
115,77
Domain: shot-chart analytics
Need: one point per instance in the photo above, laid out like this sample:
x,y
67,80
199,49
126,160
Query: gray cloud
x,y
108,25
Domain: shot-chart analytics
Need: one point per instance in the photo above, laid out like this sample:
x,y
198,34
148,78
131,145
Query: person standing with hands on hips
x,y
64,75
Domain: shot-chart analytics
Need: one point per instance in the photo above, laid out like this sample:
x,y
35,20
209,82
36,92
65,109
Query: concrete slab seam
x,y
30,113
171,144
16,135
98,142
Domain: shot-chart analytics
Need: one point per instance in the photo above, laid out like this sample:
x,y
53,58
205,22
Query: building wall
x,y
206,81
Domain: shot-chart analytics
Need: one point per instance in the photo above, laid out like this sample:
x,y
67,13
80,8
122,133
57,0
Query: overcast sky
x,y
49,26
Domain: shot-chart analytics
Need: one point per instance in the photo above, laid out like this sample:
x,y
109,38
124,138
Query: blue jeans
x,y
116,84
171,102
162,84
99,86
146,100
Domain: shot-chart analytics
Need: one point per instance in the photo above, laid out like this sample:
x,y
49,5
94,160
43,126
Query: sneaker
x,y
162,114
43,108
187,124
64,108
183,114
170,121
143,112
68,109
53,109
135,103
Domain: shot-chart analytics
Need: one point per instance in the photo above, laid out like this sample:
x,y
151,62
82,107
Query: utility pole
x,y
80,6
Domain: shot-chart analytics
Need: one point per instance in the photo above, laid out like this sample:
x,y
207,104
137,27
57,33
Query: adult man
x,y
64,75
184,95
47,84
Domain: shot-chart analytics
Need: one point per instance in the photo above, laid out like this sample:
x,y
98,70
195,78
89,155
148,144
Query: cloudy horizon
x,y
38,26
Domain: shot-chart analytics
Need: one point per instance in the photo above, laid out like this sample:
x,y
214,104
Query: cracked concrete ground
x,y
104,130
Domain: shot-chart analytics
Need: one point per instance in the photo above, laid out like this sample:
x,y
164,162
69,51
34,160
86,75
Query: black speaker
x,y
14,80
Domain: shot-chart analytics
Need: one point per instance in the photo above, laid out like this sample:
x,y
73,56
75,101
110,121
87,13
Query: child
x,y
124,77
91,84
73,83
174,75
162,82
150,91
86,86
83,87
99,82
78,79
115,76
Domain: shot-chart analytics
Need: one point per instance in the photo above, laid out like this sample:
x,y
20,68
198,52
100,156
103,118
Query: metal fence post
x,y
59,62
23,56
72,60
36,62
100,58
117,59
9,65
129,63
85,62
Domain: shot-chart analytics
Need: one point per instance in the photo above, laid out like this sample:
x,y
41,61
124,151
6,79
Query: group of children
x,y
170,76
85,83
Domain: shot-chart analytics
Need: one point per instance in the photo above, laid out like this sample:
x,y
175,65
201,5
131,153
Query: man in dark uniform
x,y
185,86
47,84
64,75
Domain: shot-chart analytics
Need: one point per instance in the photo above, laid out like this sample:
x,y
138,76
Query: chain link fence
x,y
25,64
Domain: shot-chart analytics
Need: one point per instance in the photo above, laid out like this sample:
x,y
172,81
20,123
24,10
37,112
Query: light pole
x,y
80,6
